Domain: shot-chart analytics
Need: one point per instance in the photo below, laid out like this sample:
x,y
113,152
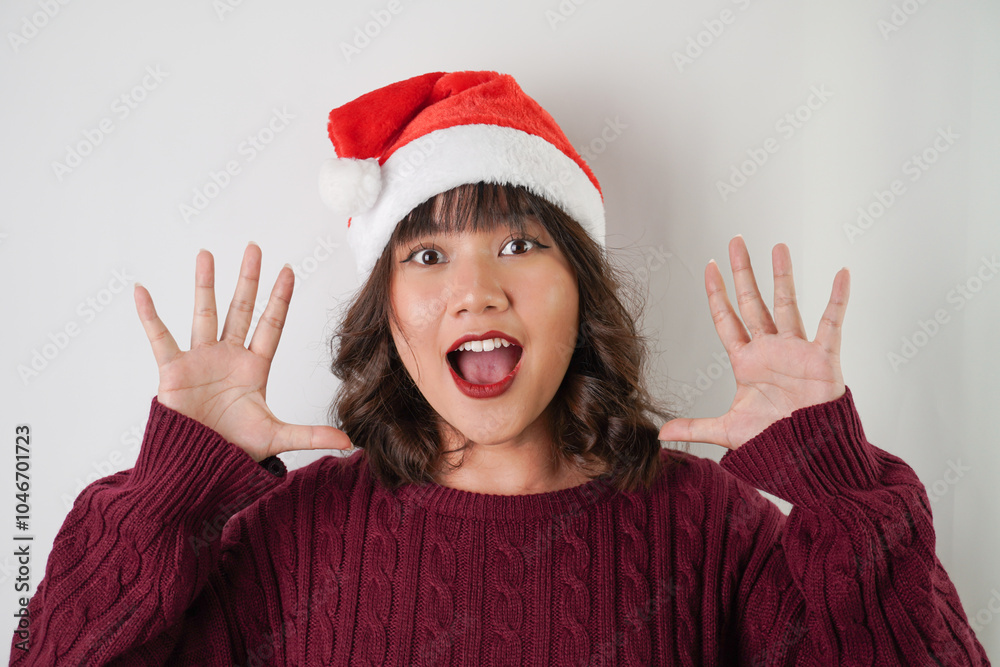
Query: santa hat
x,y
400,145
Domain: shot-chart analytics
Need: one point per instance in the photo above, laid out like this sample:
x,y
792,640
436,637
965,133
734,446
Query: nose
x,y
477,284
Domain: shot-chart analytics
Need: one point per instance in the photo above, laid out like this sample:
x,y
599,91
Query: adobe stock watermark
x,y
951,477
905,529
959,296
705,379
713,29
115,461
914,167
985,616
610,133
32,25
882,544
636,617
562,12
322,252
122,107
248,149
786,126
363,35
58,341
8,569
324,596
784,478
654,259
899,17
223,8
303,268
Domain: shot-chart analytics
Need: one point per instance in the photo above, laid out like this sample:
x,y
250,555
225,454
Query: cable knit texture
x,y
200,556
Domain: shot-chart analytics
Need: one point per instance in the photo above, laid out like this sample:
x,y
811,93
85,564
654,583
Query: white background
x,y
893,75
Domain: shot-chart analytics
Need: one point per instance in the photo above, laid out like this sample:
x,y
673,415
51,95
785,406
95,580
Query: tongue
x,y
487,367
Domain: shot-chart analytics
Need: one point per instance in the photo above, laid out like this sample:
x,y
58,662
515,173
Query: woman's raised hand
x,y
221,383
777,369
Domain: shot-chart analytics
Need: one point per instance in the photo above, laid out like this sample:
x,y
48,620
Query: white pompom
x,y
348,186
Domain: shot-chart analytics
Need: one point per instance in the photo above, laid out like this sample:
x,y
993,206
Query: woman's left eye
x,y
531,243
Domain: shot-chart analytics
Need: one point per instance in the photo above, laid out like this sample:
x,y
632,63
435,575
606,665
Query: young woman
x,y
509,502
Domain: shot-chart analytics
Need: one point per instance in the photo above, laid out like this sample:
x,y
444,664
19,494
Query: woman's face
x,y
449,287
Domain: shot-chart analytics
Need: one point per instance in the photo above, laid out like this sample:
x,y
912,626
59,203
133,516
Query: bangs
x,y
474,207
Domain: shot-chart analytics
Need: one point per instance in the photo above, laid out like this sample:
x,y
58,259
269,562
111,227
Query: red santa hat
x,y
400,145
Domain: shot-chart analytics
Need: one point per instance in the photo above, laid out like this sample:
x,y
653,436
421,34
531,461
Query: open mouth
x,y
485,368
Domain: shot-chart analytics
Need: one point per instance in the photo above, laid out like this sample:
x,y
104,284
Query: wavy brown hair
x,y
602,412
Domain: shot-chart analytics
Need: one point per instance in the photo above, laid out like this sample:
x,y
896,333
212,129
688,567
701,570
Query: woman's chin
x,y
483,427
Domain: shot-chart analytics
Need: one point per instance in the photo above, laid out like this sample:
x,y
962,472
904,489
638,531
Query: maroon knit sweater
x,y
323,566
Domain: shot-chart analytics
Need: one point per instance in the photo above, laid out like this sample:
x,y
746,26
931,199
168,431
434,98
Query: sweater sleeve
x,y
141,571
851,576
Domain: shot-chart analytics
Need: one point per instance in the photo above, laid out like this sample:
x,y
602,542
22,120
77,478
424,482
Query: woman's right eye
x,y
424,256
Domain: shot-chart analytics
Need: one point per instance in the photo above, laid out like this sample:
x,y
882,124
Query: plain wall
x,y
669,100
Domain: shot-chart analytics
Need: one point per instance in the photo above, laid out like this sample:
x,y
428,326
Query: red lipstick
x,y
485,390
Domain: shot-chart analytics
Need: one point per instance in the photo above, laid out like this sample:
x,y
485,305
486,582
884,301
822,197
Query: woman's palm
x,y
777,369
776,375
221,383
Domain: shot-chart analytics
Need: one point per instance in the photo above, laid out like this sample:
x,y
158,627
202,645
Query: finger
x,y
752,308
292,437
727,325
830,325
205,327
163,344
694,430
786,309
241,308
268,331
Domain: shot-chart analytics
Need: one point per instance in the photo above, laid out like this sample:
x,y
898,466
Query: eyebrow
x,y
520,224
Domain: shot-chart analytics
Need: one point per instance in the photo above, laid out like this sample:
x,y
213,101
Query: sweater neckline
x,y
487,506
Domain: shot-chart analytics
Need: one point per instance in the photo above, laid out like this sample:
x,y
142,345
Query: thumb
x,y
299,437
686,429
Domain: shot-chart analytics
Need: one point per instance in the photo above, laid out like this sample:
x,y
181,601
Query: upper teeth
x,y
482,345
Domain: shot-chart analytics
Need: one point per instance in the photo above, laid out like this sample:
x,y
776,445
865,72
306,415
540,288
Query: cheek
x,y
418,311
558,312
399,302
406,341
565,299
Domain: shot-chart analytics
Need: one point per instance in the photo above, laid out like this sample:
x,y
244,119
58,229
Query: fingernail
x,y
137,283
253,243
